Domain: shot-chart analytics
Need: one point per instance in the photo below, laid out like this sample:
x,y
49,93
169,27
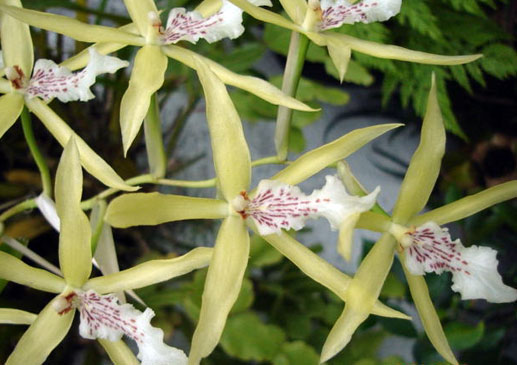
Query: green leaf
x,y
499,60
262,254
463,336
296,140
296,353
393,287
247,338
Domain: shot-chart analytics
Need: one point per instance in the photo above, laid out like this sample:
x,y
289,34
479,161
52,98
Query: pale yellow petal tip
x,y
328,352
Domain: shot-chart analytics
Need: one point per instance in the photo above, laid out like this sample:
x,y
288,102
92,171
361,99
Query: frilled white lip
x,y
335,13
474,269
103,317
278,206
50,80
183,25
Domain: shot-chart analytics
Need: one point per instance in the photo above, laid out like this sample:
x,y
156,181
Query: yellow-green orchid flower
x,y
423,245
276,204
101,316
212,21
49,80
315,18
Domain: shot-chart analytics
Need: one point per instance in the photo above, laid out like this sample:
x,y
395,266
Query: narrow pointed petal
x,y
92,162
469,205
424,166
72,27
276,206
16,316
16,40
52,81
316,160
47,207
346,236
146,78
102,317
266,15
254,85
338,12
47,331
474,269
15,270
428,315
361,295
222,286
341,333
155,208
139,12
340,57
394,52
75,254
81,59
11,106
229,148
118,352
151,272
321,271
296,9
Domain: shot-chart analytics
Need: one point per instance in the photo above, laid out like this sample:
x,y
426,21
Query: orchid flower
x,y
274,206
101,317
212,21
314,19
23,86
423,245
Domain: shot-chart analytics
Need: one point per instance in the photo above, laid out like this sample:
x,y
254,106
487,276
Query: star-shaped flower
x,y
212,21
275,205
102,317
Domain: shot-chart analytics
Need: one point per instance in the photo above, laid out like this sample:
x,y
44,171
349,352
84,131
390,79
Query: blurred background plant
x,y
282,317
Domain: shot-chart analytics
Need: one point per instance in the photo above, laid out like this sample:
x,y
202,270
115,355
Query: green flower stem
x,y
18,208
97,230
187,184
46,181
293,69
154,140
269,160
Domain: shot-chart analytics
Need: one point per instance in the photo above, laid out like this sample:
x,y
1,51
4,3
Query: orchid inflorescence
x,y
270,210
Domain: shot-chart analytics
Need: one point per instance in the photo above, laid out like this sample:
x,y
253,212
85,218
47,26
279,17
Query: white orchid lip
x,y
102,317
278,206
474,268
335,13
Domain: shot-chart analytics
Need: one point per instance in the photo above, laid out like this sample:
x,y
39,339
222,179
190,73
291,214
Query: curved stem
x,y
46,181
18,208
293,70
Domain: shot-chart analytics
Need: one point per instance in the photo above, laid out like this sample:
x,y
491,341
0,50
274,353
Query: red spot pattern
x,y
334,16
46,83
183,25
436,252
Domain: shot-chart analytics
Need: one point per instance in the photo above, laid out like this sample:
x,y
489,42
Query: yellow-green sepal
x,y
266,15
424,166
47,331
393,52
428,315
346,235
90,160
316,160
222,286
468,205
151,272
229,148
146,78
11,106
362,293
296,9
15,270
254,85
16,40
118,352
339,54
16,316
155,208
139,12
72,27
321,271
208,7
5,85
75,256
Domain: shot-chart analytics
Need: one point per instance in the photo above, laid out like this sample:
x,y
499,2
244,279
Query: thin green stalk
x,y
188,184
46,181
293,69
154,140
18,208
97,229
269,160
